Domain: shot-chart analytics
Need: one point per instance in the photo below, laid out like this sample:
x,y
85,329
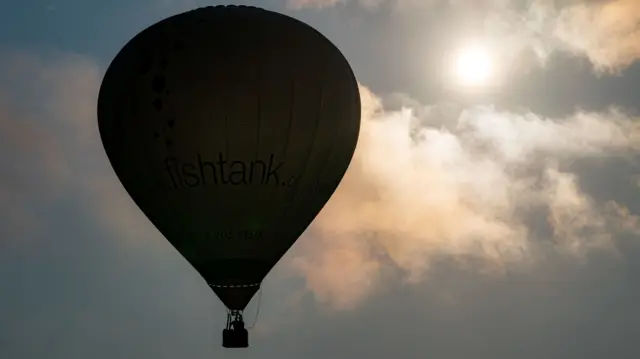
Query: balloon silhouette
x,y
230,127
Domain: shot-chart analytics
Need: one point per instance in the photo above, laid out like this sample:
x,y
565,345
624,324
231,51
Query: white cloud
x,y
605,31
462,187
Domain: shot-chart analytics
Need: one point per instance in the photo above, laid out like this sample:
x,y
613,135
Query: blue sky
x,y
502,225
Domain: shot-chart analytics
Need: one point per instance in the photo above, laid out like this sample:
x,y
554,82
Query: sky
x,y
495,220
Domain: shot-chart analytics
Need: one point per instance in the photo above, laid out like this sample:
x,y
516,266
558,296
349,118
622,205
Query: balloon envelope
x,y
230,127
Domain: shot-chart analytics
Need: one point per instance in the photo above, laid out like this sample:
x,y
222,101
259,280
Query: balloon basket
x,y
235,335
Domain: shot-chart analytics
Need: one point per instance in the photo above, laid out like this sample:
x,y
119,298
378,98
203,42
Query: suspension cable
x,y
255,319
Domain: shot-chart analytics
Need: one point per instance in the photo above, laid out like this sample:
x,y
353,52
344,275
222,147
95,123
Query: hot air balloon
x,y
230,127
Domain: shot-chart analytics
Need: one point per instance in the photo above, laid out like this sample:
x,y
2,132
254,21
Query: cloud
x,y
367,4
51,146
428,182
299,4
605,31
464,184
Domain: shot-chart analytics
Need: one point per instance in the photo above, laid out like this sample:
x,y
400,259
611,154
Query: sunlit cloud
x,y
605,31
608,32
463,188
428,181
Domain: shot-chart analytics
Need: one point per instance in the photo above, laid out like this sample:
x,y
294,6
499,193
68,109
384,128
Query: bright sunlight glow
x,y
473,67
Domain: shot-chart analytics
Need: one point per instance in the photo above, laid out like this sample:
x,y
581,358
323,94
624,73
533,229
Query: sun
x,y
473,66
